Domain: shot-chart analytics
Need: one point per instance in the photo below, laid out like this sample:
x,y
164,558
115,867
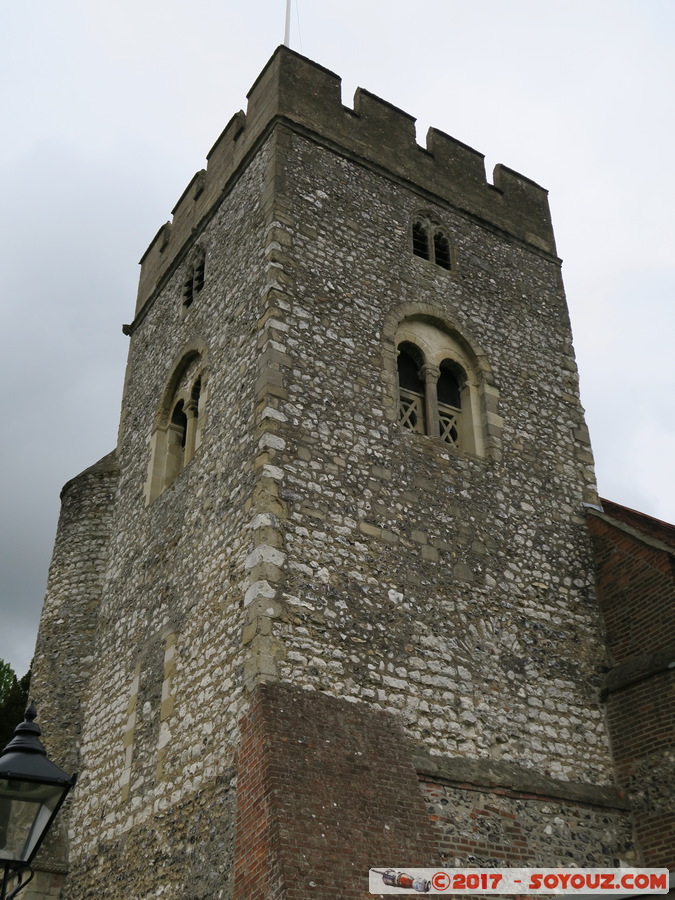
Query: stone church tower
x,y
330,603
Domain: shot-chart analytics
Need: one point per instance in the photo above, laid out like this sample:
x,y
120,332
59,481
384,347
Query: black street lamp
x,y
32,790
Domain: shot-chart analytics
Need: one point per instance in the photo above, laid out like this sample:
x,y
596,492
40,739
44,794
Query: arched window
x,y
411,388
448,395
420,239
194,434
176,435
439,390
178,425
441,250
429,241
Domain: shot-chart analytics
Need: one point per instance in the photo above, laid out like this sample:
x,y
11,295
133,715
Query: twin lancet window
x,y
429,241
183,433
430,401
178,426
438,390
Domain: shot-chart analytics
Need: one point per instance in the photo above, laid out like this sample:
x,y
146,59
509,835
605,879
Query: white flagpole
x,y
287,31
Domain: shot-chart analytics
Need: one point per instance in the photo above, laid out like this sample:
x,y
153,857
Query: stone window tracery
x,y
441,250
430,242
438,387
178,425
420,239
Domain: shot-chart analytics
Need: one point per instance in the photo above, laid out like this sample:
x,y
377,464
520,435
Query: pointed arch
x,y
420,239
430,241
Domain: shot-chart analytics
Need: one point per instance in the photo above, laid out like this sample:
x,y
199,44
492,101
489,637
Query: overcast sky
x,y
110,107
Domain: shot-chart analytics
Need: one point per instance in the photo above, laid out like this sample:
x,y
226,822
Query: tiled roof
x,y
650,527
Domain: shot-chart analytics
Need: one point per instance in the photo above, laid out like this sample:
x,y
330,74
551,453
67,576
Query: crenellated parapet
x,y
307,97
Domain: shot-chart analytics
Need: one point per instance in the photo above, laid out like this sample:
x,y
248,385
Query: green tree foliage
x,y
7,677
13,701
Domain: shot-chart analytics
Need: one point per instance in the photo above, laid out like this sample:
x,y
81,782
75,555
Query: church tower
x,y
333,592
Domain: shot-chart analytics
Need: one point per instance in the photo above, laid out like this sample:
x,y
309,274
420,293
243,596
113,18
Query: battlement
x,y
305,96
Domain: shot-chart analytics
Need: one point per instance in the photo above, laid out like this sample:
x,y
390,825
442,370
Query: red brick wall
x,y
642,725
636,588
637,591
326,789
642,720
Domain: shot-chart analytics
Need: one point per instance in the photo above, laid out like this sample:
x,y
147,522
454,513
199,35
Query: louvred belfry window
x,y
194,277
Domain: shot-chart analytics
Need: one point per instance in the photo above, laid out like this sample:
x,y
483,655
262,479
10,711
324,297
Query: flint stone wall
x,y
456,591
494,830
165,695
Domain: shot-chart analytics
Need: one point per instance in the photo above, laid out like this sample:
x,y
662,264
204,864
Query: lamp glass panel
x,y
25,810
